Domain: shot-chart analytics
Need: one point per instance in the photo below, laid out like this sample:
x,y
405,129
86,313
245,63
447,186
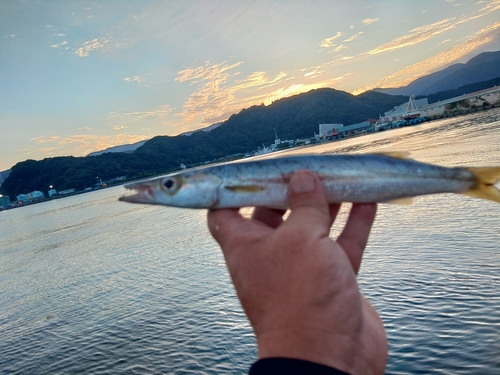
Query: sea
x,y
90,285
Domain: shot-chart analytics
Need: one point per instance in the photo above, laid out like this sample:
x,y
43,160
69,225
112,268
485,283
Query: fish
x,y
357,178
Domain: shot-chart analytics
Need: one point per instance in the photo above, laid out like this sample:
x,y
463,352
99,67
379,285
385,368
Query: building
x,y
327,128
4,201
36,195
356,128
23,198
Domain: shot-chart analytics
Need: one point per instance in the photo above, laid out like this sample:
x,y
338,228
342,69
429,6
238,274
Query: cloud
x,y
206,72
315,73
45,139
368,21
328,42
162,112
445,41
415,36
59,45
439,61
87,143
354,37
491,6
339,48
90,46
137,79
221,94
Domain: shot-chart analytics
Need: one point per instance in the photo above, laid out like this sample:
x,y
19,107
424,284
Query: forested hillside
x,y
293,117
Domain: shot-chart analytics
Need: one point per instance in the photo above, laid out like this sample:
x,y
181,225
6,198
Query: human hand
x,y
297,286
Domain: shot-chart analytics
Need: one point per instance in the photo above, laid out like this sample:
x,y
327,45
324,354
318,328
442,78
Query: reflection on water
x,y
91,285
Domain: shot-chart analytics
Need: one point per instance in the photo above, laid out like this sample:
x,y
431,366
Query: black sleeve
x,y
288,366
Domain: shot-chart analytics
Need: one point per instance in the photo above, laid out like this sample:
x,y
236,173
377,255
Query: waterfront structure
x,y
356,128
412,106
4,202
328,128
36,194
66,192
466,102
23,198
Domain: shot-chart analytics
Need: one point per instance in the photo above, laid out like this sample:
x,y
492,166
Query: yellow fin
x,y
245,188
395,154
486,178
408,201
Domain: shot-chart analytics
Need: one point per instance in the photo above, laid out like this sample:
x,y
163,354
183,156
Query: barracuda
x,y
346,178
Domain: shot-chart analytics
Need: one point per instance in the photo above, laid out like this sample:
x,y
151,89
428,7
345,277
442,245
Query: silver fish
x,y
346,178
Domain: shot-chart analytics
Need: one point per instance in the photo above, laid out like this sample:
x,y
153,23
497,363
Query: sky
x,y
82,76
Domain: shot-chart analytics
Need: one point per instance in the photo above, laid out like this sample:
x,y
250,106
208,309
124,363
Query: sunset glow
x,y
79,77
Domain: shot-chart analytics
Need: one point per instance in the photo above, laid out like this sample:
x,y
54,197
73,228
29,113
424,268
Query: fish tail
x,y
486,179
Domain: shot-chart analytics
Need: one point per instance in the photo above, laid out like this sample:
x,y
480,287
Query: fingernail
x,y
302,183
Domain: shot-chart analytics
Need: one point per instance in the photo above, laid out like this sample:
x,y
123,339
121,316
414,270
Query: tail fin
x,y
486,180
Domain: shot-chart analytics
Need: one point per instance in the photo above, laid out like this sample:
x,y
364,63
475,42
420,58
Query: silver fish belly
x,y
346,178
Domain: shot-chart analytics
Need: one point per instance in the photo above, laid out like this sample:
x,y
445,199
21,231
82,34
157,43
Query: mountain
x,y
123,148
293,117
483,67
3,176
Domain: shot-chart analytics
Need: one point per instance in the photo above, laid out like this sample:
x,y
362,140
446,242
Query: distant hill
x,y
123,148
207,129
293,117
483,67
3,176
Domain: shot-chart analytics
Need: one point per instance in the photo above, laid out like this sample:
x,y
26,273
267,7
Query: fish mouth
x,y
144,194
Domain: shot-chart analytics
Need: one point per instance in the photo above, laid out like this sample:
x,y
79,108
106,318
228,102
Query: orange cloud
x,y
86,143
416,36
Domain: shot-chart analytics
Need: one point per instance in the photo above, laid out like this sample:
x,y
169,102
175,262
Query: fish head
x,y
190,190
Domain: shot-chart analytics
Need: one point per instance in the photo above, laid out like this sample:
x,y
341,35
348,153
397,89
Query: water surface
x,y
92,285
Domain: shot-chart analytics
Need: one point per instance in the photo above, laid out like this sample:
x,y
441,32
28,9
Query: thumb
x,y
308,203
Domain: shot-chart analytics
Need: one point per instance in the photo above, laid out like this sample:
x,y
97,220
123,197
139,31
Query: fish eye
x,y
169,183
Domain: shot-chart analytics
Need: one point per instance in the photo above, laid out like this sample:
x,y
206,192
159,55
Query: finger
x,y
269,216
354,237
223,223
308,204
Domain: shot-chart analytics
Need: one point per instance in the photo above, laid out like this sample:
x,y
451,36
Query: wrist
x,y
337,351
